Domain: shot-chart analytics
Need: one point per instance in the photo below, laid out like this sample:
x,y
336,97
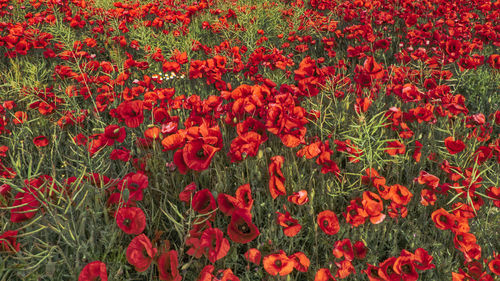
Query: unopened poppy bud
x,y
260,154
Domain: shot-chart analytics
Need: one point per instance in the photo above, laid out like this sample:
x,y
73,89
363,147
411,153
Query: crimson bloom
x,y
241,229
167,266
131,220
95,270
140,253
41,141
113,133
203,201
131,112
328,222
454,146
8,242
214,243
343,248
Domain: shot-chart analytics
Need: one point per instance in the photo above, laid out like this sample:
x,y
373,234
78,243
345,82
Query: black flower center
x,y
244,228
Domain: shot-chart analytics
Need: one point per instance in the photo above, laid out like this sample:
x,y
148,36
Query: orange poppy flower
x,y
372,177
253,256
276,180
323,274
373,206
442,219
328,222
291,225
278,264
302,262
299,198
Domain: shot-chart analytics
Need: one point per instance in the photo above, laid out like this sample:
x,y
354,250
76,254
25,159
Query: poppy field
x,y
224,140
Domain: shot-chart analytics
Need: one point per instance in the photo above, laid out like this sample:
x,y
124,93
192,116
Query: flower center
x,y
278,263
244,228
200,153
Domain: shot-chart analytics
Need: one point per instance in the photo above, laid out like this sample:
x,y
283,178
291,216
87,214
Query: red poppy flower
x,y
95,270
135,183
140,253
494,265
454,146
400,195
278,264
241,229
244,197
343,248
24,207
323,274
386,271
403,265
197,155
291,225
214,244
20,117
203,201
167,266
395,147
372,272
131,112
427,197
372,68
430,180
360,250
8,242
131,220
206,273
417,153
226,275
422,260
328,222
253,256
227,204
185,195
120,154
245,145
276,180
41,141
299,198
113,133
355,213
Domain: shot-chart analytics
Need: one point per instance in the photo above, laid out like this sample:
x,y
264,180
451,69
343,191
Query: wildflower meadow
x,y
226,140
